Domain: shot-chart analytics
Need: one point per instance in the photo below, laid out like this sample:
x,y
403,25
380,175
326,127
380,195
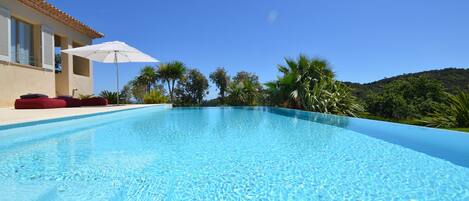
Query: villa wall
x,y
83,84
67,81
18,79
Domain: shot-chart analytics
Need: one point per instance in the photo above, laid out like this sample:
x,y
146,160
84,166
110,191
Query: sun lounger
x,y
71,102
94,101
39,103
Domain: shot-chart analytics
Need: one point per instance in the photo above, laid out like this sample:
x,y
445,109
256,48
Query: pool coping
x,y
72,117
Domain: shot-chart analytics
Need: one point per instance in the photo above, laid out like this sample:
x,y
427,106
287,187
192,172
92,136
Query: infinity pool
x,y
159,153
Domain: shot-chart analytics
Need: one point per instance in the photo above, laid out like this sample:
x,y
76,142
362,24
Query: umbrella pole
x,y
117,75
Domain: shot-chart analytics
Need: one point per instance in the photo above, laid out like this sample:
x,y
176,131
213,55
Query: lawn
x,y
407,121
460,129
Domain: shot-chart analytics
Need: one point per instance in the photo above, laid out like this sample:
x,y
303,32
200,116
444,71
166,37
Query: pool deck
x,y
12,116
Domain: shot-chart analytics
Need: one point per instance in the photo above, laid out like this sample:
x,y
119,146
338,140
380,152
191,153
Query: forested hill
x,y
451,78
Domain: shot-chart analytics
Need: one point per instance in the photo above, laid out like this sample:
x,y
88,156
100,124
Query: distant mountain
x,y
451,78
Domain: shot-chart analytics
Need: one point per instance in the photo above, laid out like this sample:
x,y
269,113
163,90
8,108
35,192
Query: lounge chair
x,y
71,102
39,103
94,101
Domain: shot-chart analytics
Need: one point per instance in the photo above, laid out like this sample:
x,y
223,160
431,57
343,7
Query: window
x,y
22,50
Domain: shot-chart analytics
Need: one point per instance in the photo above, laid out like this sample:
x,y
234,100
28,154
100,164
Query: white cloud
x,y
272,16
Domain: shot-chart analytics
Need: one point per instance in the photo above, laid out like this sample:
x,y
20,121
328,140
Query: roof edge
x,y
50,10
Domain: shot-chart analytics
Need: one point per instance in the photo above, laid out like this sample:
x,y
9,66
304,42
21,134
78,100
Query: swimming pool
x,y
252,153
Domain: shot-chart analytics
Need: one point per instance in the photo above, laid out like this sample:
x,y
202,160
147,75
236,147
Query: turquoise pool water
x,y
230,154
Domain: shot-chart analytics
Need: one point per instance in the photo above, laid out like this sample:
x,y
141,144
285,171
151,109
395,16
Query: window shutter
x,y
5,34
47,47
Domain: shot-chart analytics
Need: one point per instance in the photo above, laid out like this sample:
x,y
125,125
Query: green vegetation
x,y
309,84
85,96
244,90
460,129
147,78
402,121
155,96
431,98
453,79
111,96
191,88
126,94
453,114
137,90
141,85
412,97
221,79
169,73
58,63
438,98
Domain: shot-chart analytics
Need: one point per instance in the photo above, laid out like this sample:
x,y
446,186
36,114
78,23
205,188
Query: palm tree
x,y
169,73
243,92
295,74
453,114
221,79
244,89
111,96
309,84
147,77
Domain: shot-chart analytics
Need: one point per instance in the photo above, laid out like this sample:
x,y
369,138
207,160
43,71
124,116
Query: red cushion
x,y
94,101
39,103
71,102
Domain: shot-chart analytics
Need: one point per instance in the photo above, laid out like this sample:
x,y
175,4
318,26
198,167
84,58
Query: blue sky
x,y
363,40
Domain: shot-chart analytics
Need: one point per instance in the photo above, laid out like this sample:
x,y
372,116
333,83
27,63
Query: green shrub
x,y
329,96
85,96
110,96
154,97
453,114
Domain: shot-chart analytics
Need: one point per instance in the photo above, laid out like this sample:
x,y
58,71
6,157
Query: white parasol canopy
x,y
111,52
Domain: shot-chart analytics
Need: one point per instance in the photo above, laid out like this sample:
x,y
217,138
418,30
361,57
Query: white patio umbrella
x,y
111,52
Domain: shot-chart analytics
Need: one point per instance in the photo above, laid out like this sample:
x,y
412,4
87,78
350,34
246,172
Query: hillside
x,y
451,78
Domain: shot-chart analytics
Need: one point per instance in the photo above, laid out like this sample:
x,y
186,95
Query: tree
x,y
247,76
58,63
243,93
138,90
192,88
388,105
147,77
412,97
221,79
245,89
126,93
288,88
170,73
309,84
